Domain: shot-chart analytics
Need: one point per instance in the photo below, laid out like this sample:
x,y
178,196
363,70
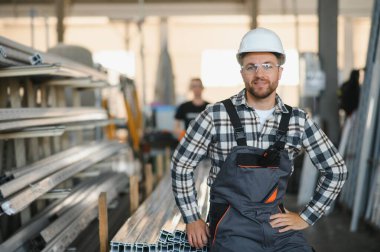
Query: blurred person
x,y
188,111
349,93
252,139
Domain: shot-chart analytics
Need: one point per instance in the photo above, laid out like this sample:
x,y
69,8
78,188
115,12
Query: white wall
x,y
188,37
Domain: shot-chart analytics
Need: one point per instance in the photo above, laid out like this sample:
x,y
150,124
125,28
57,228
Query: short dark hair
x,y
196,79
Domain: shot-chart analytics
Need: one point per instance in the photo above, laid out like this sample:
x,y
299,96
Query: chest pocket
x,y
260,174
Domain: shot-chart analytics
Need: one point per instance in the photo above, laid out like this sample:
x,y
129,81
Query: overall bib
x,y
248,189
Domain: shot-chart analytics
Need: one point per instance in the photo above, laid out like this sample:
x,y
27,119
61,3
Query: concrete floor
x,y
331,233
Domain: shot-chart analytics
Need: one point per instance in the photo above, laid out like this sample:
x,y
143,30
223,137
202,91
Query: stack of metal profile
x,y
168,241
363,180
371,180
41,169
13,54
36,122
17,60
26,184
60,223
157,224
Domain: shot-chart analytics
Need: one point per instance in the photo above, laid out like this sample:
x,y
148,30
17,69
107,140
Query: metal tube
x,y
8,114
34,132
43,219
56,227
18,56
65,236
15,173
22,199
159,212
52,59
16,125
4,62
39,171
367,143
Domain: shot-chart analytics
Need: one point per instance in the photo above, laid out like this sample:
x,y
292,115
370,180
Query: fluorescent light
x,y
219,68
291,74
117,62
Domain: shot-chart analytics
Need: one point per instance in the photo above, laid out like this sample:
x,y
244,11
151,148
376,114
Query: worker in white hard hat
x,y
251,139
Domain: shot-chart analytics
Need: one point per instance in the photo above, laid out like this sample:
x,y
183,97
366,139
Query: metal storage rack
x,y
361,192
45,142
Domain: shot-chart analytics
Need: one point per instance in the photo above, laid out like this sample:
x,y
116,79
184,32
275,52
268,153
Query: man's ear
x,y
280,72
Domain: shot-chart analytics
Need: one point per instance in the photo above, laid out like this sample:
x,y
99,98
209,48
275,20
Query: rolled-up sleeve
x,y
332,171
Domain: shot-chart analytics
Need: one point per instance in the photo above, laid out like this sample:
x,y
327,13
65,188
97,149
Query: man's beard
x,y
262,95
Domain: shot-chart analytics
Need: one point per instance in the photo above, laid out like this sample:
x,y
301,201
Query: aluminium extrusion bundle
x,y
157,224
14,114
361,157
361,194
36,58
83,82
59,234
25,176
54,221
18,172
7,62
128,231
71,119
167,242
357,132
19,56
20,200
56,69
372,213
22,237
348,190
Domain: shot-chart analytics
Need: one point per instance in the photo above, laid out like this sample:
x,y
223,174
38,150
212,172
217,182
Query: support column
x,y
328,34
60,9
348,48
252,7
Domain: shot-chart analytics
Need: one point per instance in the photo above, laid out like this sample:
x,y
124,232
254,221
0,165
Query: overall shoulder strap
x,y
283,128
235,120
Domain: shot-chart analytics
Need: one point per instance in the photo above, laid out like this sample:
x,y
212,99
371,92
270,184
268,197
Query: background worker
x,y
251,140
188,111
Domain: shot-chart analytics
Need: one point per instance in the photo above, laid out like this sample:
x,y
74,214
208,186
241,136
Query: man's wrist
x,y
192,218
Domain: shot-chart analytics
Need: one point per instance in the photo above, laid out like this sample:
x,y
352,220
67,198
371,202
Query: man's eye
x,y
251,68
267,66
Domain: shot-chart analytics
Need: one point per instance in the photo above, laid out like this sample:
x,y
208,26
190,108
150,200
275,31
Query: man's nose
x,y
260,71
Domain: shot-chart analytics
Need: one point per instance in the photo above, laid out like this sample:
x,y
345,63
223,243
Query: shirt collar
x,y
239,99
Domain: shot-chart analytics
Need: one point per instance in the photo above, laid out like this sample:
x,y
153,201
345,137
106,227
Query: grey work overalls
x,y
248,189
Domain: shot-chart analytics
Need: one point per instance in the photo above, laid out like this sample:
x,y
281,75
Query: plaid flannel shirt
x,y
211,135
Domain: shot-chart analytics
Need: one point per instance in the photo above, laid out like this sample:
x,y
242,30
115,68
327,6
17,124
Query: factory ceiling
x,y
126,9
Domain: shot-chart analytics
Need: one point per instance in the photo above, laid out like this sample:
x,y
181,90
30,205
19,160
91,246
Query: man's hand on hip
x,y
197,233
287,221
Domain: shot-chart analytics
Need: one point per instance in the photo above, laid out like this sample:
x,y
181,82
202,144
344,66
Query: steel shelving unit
x,y
48,141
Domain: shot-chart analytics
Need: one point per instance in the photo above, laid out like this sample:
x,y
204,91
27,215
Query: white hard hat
x,y
261,40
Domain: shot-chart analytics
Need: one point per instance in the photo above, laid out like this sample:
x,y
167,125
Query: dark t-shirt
x,y
188,111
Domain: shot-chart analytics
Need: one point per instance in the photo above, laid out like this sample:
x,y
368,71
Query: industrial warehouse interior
x,y
94,155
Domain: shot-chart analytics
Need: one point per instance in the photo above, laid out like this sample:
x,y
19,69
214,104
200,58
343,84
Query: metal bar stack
x,y
372,213
20,122
50,141
55,228
13,54
157,224
28,187
361,187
